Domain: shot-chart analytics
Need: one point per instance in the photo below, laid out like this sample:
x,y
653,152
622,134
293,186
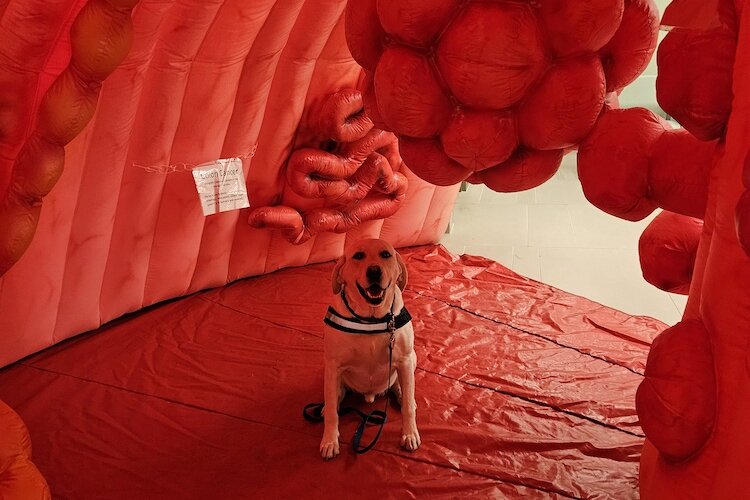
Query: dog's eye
x,y
358,256
385,254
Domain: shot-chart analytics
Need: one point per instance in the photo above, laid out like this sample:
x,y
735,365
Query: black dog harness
x,y
364,326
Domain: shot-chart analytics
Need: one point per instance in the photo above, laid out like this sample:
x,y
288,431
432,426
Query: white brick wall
x,y
642,92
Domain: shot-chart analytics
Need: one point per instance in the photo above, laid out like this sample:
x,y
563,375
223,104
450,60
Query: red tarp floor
x,y
524,391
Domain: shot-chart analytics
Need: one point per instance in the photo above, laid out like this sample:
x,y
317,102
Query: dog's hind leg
x,y
343,390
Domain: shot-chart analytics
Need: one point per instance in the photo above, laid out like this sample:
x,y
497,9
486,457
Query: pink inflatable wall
x,y
203,80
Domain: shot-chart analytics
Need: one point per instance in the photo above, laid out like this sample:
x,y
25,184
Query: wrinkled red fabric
x,y
742,212
668,249
694,14
491,54
694,84
565,105
100,38
523,391
634,161
341,117
410,98
427,153
415,22
369,100
19,477
742,221
676,401
629,51
694,402
474,86
526,169
613,172
679,170
358,181
364,34
479,139
574,28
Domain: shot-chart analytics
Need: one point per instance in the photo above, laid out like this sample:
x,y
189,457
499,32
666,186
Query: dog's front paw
x,y
329,447
411,440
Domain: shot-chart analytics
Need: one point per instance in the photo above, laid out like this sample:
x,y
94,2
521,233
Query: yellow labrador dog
x,y
366,317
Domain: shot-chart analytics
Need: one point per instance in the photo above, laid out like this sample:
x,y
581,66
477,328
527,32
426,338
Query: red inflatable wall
x,y
695,403
123,228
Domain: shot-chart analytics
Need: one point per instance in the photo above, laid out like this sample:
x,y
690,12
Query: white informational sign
x,y
221,186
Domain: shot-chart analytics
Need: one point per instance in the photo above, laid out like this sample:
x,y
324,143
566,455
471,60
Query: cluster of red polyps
x,y
356,178
495,92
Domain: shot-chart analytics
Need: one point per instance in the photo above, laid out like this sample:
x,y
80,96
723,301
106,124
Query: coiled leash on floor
x,y
314,413
368,326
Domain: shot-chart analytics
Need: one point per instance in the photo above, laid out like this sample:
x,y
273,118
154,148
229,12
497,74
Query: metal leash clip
x,y
391,324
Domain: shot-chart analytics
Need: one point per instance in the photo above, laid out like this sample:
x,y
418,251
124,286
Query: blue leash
x,y
314,413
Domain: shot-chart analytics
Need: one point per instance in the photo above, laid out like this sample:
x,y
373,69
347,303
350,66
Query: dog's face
x,y
370,270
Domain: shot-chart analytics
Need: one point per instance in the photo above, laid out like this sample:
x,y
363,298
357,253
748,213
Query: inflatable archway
x,y
329,121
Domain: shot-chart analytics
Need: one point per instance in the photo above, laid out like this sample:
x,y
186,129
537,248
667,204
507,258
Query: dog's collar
x,y
357,324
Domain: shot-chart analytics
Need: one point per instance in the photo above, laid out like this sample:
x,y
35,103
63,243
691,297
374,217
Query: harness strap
x,y
388,323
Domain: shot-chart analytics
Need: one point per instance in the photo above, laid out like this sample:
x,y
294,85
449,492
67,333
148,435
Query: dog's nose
x,y
374,273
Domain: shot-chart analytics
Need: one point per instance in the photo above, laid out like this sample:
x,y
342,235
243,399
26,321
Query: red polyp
x,y
676,401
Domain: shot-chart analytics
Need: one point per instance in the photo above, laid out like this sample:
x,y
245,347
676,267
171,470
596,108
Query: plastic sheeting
x,y
524,391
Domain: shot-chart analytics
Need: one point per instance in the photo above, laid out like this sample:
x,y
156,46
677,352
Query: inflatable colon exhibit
x,y
495,92
353,176
693,402
668,249
100,38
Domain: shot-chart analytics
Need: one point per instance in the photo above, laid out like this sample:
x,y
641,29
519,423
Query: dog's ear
x,y
404,276
336,281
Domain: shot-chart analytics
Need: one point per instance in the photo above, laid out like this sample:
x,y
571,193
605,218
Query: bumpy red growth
x,y
358,181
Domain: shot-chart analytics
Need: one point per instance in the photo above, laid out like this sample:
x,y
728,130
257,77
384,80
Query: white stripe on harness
x,y
351,325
